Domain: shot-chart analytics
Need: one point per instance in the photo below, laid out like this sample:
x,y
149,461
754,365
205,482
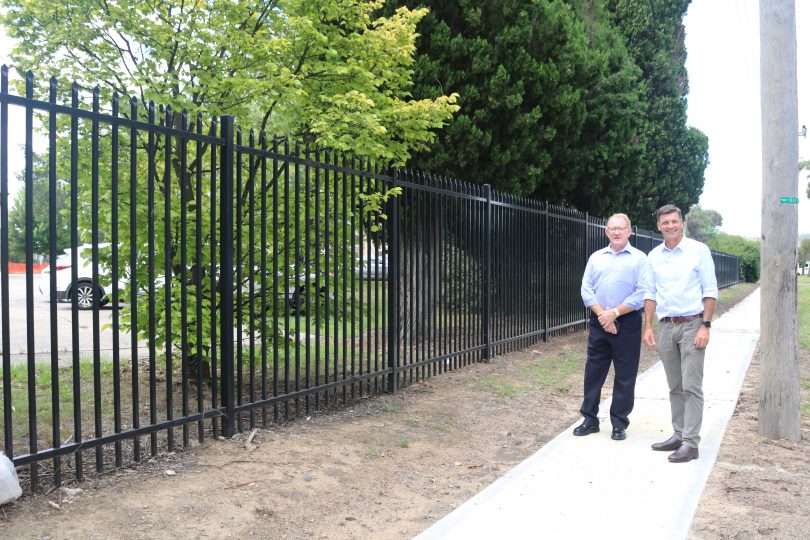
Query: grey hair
x,y
623,216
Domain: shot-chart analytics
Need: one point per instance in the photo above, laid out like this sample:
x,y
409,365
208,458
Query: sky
x,y
722,42
722,46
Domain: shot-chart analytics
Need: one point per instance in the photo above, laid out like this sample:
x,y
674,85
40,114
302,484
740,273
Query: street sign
x,y
789,200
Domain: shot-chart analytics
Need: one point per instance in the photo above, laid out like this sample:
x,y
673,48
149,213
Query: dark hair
x,y
667,209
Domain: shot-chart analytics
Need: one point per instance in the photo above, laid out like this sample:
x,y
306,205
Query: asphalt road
x,y
42,340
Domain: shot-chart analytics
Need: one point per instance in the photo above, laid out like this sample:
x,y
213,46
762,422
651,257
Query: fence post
x,y
546,268
5,330
487,261
587,236
226,325
393,289
588,249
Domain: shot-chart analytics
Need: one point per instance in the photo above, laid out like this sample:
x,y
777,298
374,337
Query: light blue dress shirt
x,y
681,278
612,278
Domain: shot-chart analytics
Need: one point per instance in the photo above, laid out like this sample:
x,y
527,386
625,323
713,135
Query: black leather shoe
x,y
586,429
683,454
619,434
668,445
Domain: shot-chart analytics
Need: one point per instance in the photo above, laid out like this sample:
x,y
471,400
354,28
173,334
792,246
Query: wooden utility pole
x,y
779,379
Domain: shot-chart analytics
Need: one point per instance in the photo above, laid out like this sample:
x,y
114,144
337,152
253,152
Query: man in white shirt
x,y
681,295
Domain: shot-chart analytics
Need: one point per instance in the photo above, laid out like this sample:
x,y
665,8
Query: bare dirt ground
x,y
758,487
389,467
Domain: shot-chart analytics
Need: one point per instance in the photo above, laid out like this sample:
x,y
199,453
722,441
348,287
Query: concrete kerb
x,y
593,486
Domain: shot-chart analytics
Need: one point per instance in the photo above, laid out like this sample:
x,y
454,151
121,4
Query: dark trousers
x,y
623,350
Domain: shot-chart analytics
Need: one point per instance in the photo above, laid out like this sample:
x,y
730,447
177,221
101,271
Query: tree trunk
x,y
779,415
420,228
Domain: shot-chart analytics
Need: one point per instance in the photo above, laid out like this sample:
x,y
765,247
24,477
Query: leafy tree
x,y
675,156
747,250
702,224
804,166
330,73
804,252
40,220
547,90
576,102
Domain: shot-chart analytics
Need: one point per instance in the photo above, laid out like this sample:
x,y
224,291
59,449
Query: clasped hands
x,y
607,318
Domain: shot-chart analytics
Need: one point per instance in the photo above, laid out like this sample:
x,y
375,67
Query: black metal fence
x,y
231,280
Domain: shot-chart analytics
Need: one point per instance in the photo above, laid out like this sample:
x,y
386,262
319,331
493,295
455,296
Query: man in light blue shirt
x,y
681,295
612,288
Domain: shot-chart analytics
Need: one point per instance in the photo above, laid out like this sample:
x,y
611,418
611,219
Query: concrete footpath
x,y
595,487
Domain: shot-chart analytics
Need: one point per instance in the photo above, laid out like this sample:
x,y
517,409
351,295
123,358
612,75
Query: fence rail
x,y
230,280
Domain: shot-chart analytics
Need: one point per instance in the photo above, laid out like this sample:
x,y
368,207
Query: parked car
x,y
83,287
372,267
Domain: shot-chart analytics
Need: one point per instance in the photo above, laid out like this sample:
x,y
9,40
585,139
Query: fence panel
x,y
214,280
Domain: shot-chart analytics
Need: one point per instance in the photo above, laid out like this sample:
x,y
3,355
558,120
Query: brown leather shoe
x,y
683,454
668,445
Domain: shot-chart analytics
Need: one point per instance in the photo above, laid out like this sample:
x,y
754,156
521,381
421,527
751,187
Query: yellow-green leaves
x,y
330,71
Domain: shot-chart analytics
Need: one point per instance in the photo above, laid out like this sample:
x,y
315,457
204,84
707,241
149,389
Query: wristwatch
x,y
707,324
616,311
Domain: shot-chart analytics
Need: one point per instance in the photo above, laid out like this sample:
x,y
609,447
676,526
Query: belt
x,y
682,319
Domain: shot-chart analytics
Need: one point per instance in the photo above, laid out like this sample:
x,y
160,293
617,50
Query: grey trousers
x,y
683,365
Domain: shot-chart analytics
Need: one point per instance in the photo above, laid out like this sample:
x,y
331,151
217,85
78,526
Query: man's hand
x,y
610,328
607,317
649,313
649,337
702,337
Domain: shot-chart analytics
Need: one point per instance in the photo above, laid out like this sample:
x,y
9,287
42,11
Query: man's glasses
x,y
616,229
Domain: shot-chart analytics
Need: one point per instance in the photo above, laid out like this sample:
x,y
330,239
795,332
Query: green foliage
x,y
750,265
327,72
579,103
804,252
465,278
40,220
702,224
546,95
332,74
747,250
675,156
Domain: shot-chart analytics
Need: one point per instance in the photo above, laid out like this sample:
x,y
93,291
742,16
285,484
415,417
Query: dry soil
x,y
390,466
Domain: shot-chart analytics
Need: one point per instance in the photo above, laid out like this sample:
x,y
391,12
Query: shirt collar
x,y
680,245
608,249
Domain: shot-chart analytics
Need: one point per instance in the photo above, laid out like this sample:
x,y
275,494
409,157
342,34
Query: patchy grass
x,y
735,293
803,290
389,406
804,311
500,388
554,372
40,393
438,426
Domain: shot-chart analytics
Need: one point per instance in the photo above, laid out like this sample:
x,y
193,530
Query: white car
x,y
83,287
372,267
